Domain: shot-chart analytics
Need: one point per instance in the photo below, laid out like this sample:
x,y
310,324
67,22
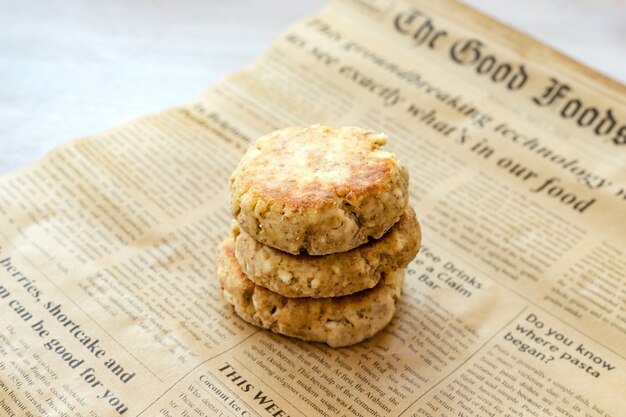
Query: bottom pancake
x,y
339,321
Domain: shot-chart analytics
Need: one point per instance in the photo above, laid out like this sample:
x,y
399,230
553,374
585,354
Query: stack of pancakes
x,y
322,232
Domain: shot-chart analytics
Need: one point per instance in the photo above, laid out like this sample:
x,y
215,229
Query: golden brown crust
x,y
330,275
318,189
339,321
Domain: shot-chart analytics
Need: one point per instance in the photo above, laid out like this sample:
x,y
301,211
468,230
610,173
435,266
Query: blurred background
x,y
69,68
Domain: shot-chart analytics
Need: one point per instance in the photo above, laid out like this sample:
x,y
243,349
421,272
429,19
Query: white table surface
x,y
70,68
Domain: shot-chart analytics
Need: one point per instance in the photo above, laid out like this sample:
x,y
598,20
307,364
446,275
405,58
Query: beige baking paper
x,y
515,305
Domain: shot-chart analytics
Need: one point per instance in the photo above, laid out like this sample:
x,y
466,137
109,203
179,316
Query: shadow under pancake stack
x,y
322,232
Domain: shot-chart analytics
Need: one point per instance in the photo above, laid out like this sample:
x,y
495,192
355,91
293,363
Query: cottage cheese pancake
x,y
318,189
331,275
339,321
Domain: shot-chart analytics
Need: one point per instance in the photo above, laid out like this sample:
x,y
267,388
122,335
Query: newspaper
x,y
515,306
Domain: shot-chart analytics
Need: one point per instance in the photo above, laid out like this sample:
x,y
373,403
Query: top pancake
x,y
318,189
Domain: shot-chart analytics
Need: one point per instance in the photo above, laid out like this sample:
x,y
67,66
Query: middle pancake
x,y
331,275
